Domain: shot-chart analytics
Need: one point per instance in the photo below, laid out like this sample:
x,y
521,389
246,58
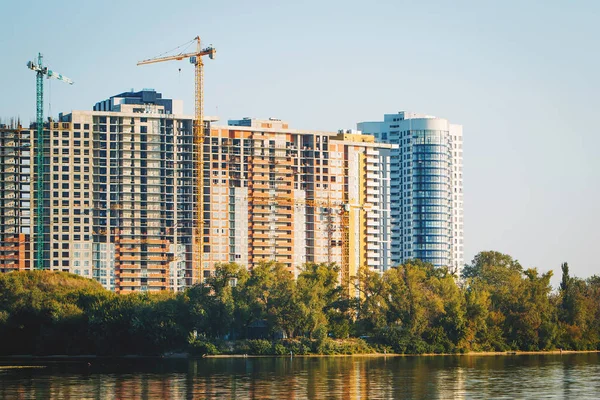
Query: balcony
x,y
127,258
157,284
158,258
128,274
135,283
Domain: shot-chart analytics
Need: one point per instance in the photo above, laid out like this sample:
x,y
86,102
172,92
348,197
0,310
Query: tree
x,y
317,294
216,303
520,314
372,303
485,260
564,284
426,306
270,293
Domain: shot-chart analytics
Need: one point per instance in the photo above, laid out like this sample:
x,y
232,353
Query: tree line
x,y
496,305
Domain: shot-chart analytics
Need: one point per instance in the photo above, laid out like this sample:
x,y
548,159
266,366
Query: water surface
x,y
575,376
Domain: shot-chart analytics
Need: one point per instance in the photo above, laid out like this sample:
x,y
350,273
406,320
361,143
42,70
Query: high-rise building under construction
x,y
122,194
118,196
275,193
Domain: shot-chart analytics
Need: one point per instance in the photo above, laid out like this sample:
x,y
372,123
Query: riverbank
x,y
42,312
83,358
467,354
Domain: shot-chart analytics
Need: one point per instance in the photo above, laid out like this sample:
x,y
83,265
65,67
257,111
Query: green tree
x,y
372,304
215,304
564,283
271,295
426,306
40,312
317,294
520,313
486,263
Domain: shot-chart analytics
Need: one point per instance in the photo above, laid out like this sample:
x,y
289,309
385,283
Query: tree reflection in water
x,y
310,377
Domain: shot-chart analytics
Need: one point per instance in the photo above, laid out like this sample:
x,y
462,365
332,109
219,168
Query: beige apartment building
x,y
121,187
292,196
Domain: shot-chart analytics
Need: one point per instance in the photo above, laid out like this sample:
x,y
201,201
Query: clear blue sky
x,y
521,76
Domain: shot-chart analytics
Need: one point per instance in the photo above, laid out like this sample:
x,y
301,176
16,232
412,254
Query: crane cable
x,y
49,98
187,44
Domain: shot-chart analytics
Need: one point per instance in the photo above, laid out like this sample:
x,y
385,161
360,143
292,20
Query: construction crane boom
x,y
41,70
209,51
196,59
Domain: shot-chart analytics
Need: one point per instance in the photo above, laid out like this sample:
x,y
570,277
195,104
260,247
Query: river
x,y
552,376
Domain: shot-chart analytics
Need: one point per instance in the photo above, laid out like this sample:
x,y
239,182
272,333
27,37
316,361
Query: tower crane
x,y
41,70
196,59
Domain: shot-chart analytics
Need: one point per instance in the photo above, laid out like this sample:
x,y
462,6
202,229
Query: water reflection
x,y
549,376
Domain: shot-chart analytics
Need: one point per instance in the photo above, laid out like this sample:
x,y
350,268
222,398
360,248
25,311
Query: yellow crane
x,y
196,59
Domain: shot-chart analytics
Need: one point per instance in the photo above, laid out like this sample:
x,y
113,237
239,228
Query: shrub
x,y
326,346
259,347
279,349
300,347
200,346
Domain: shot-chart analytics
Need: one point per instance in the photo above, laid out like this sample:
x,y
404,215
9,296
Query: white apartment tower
x,y
426,187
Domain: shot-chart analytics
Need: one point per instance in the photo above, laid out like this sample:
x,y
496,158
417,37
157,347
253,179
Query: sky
x,y
520,76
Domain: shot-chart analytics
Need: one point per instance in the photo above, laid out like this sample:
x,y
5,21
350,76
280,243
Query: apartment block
x,y
118,198
292,196
141,198
121,196
426,187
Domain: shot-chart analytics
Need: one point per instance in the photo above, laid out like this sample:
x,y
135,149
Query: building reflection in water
x,y
308,377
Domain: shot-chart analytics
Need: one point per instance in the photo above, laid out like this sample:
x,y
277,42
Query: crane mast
x,y
198,134
41,70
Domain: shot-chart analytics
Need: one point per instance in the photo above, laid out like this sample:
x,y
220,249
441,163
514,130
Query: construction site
x,y
141,197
